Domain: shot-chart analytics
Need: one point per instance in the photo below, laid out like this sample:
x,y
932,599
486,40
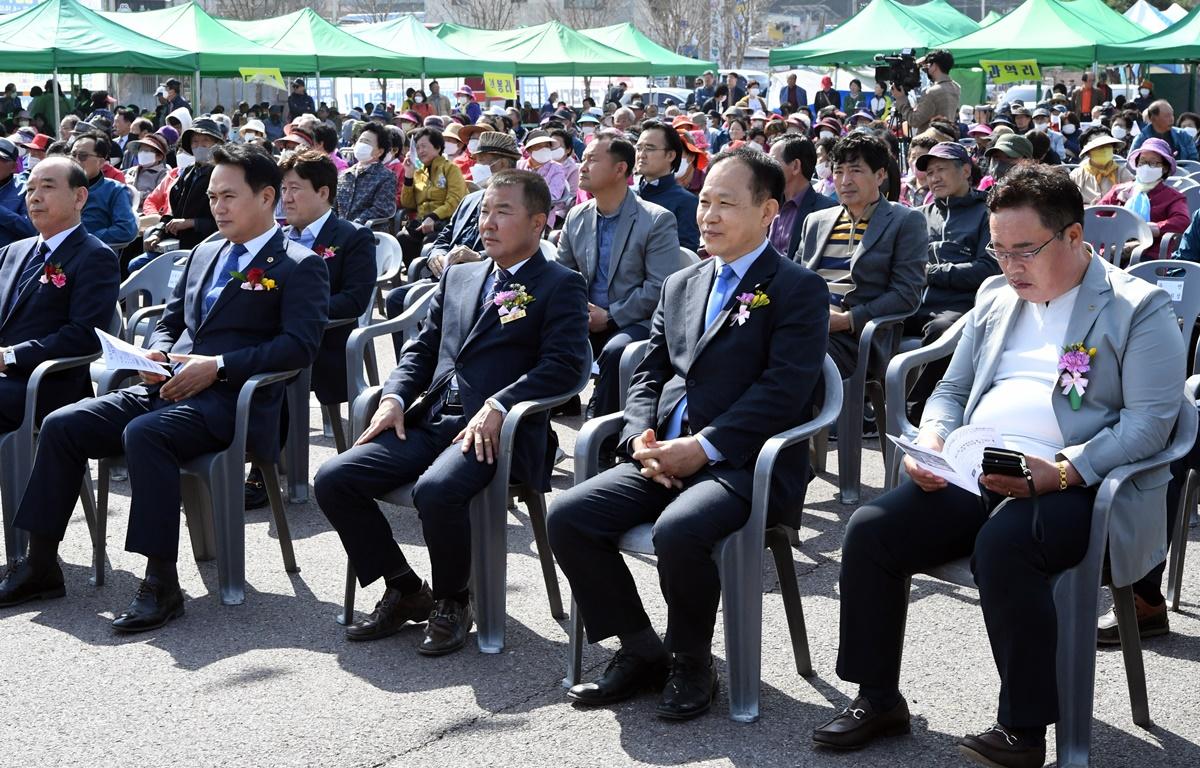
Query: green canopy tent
x,y
856,41
944,18
546,49
1179,42
1103,17
1046,30
663,61
439,59
63,36
336,51
991,18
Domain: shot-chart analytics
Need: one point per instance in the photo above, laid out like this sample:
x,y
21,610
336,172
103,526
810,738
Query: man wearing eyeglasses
x,y
109,211
659,151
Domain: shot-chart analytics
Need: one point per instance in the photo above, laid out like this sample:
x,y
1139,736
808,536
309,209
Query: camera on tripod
x,y
900,68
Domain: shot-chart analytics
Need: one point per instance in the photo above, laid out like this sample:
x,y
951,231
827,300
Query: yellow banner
x,y
499,86
1017,71
263,76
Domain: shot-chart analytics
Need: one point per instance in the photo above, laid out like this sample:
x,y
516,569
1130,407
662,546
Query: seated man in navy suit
x,y
252,302
736,348
308,191
499,331
54,289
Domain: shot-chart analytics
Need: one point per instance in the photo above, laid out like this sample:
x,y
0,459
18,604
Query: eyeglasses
x,y
648,148
1023,257
83,156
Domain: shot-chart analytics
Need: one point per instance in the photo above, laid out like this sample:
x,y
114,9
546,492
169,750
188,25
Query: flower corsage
x,y
511,303
253,280
54,275
1075,361
746,302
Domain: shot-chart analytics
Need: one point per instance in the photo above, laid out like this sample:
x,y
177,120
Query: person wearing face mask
x,y
914,191
1145,96
150,153
539,158
564,155
1070,133
1097,172
14,216
1160,124
433,188
1119,127
942,97
753,101
693,166
466,104
1041,124
1007,150
181,198
1151,164
367,190
1189,123
823,170
420,104
588,123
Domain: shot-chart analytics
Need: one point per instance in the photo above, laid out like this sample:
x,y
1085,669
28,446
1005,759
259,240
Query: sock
x,y
43,551
882,698
462,598
407,582
644,644
161,571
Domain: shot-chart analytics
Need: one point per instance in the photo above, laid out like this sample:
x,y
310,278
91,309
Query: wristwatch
x,y
221,368
10,357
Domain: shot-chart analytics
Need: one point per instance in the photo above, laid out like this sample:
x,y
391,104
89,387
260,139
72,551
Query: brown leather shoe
x,y
447,629
997,747
392,613
859,724
1152,622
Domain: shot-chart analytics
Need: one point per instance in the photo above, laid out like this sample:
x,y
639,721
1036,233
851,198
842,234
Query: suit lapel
x,y
760,273
698,287
326,236
62,256
1094,293
266,259
879,221
590,223
626,215
473,318
825,223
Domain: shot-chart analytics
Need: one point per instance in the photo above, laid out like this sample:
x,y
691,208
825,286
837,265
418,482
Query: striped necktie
x,y
35,267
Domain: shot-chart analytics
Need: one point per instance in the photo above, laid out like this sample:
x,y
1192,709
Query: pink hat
x,y
979,129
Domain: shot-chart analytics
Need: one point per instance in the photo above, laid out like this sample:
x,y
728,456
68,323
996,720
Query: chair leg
x,y
574,648
785,567
296,448
850,441
333,414
1076,600
741,596
97,527
819,452
536,503
225,484
197,508
346,618
1179,537
489,550
279,511
103,478
1131,649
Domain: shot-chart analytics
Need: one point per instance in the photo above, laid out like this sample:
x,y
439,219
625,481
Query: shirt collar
x,y
315,228
741,265
255,244
57,240
798,198
513,269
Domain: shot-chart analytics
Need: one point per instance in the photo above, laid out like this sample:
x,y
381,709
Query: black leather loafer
x,y
997,747
859,724
447,628
392,613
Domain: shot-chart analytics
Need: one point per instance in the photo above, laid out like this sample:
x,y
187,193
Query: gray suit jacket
x,y
888,266
1132,398
645,250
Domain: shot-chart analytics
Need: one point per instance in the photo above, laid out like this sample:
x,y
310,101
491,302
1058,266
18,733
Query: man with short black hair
x,y
249,302
735,355
943,96
109,211
798,158
122,124
659,152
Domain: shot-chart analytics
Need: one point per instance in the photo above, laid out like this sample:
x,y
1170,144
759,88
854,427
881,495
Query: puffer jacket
x,y
958,261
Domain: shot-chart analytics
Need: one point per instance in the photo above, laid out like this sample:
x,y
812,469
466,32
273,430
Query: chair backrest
x,y
388,255
549,250
692,256
1188,166
1181,183
631,357
1108,227
152,282
1192,194
1181,280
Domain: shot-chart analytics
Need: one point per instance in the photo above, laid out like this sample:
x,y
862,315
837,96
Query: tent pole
x,y
422,81
196,91
56,98
318,99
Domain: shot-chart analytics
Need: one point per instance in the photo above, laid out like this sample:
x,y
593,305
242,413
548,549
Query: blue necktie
x,y
221,279
35,267
716,302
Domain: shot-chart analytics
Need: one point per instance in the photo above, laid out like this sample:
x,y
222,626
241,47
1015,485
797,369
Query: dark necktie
x,y
33,268
502,276
221,279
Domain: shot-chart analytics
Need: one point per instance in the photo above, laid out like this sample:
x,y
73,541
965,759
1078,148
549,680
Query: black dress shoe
x,y
447,628
998,747
625,676
25,581
153,606
392,613
859,724
256,490
690,689
570,408
1151,619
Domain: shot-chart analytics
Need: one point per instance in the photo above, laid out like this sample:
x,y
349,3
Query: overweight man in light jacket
x,y
1007,373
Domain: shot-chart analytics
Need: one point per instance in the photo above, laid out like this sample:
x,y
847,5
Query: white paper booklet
x,y
960,459
120,355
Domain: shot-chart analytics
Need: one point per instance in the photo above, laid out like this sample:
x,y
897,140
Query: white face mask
x,y
683,168
825,135
1041,127
146,157
462,101
1119,132
754,91
363,152
823,171
473,146
1148,174
452,148
1190,130
559,153
184,160
1144,91
587,130
1069,128
418,99
480,173
543,156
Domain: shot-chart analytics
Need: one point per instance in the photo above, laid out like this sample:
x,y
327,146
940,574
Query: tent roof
x,y
1049,31
1178,42
663,61
856,40
439,58
1104,17
65,35
1174,12
337,52
991,18
1148,17
944,18
220,50
546,49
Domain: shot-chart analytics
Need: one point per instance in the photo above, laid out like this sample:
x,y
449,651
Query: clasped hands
x,y
667,462
197,374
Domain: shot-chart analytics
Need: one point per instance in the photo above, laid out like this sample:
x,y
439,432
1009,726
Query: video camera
x,y
900,68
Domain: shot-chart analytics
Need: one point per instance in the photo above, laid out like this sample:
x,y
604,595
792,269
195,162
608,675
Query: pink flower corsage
x,y
326,251
1075,361
512,303
54,275
746,302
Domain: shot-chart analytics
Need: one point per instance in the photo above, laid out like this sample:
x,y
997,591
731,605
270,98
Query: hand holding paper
x,y
120,355
959,460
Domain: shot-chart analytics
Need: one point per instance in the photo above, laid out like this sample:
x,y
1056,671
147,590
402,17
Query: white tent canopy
x,y
1175,12
1148,17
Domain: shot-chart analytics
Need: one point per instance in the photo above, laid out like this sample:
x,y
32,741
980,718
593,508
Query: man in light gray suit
x,y
1126,366
871,252
624,247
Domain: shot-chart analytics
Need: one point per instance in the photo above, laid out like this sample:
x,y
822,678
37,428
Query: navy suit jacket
x,y
49,322
352,273
540,355
255,331
744,383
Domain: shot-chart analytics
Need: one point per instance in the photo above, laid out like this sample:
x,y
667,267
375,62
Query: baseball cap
x,y
946,150
1010,145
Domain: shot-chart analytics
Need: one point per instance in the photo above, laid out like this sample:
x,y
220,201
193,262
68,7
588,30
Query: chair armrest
x,y
373,224
246,396
418,269
44,369
512,419
340,323
587,443
362,408
874,326
145,313
356,345
898,370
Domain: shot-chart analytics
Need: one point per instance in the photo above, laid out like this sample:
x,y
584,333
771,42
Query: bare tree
x,y
578,14
484,14
372,10
252,10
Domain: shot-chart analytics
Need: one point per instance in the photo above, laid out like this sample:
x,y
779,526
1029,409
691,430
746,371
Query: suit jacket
x,y
456,231
812,202
645,250
48,322
744,383
794,94
255,331
539,355
352,273
887,267
1132,399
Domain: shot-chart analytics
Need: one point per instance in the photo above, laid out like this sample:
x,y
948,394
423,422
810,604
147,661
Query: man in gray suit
x,y
624,247
1007,373
871,252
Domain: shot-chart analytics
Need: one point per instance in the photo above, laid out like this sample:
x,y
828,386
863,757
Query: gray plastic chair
x,y
1109,227
489,509
1193,197
692,256
1168,244
1188,499
1180,183
1187,166
389,262
738,557
1179,277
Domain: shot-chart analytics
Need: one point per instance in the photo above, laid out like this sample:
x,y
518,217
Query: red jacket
x,y
1168,209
